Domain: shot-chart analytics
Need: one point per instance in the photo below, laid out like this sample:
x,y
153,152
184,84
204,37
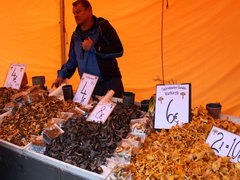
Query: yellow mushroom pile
x,y
181,152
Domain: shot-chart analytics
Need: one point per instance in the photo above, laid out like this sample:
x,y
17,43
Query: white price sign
x,y
15,76
224,143
173,105
101,111
85,88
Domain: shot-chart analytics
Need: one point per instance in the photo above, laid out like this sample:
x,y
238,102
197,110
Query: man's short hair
x,y
85,3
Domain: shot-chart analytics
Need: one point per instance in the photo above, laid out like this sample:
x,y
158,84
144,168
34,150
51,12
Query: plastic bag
x,y
51,132
37,140
138,125
66,115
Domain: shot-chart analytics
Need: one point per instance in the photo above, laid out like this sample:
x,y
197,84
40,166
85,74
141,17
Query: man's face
x,y
81,14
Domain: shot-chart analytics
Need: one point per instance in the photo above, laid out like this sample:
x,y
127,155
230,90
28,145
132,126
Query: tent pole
x,y
63,32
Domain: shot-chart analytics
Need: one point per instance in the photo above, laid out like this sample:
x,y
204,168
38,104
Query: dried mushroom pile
x,y
5,96
30,119
87,144
181,152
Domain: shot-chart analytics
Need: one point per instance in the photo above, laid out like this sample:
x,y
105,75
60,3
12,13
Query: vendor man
x,y
94,47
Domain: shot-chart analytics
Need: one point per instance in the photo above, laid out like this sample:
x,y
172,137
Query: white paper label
x,y
172,105
224,143
101,112
85,88
15,76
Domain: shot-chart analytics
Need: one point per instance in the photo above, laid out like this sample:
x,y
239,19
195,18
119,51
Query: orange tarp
x,y
200,44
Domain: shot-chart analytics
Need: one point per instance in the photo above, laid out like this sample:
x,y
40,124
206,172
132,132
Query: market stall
x,y
44,134
178,117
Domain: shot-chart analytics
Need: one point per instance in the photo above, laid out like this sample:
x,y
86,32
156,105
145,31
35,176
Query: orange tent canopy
x,y
199,43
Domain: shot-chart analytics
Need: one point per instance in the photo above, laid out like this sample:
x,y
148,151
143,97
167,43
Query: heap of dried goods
x,y
181,152
5,96
30,119
87,144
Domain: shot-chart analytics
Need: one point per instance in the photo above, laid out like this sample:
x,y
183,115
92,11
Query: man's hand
x,y
87,44
57,82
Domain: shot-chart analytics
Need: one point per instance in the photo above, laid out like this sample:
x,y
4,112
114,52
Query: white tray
x,y
13,147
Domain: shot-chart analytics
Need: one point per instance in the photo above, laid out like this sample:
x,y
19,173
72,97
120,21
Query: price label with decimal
x,y
224,143
173,105
15,76
85,88
101,112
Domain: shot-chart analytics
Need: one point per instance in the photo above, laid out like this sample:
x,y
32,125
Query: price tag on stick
x,y
101,112
224,143
173,105
85,88
103,109
15,76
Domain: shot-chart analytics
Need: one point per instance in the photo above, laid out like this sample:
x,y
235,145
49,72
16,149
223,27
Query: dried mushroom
x,y
5,97
121,172
30,119
181,152
87,144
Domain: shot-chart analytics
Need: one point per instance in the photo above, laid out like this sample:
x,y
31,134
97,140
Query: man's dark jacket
x,y
100,60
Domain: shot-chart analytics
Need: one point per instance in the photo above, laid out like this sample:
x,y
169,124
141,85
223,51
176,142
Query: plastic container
x,y
128,99
38,80
67,92
214,109
144,105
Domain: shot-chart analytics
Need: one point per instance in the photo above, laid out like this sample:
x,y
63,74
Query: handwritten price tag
x,y
173,105
85,88
15,76
224,143
101,112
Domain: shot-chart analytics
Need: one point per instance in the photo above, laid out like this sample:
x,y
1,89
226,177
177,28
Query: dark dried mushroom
x,y
87,143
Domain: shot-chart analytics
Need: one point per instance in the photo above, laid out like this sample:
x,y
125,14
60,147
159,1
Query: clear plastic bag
x,y
51,132
137,136
138,125
66,115
58,121
127,147
121,172
37,140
